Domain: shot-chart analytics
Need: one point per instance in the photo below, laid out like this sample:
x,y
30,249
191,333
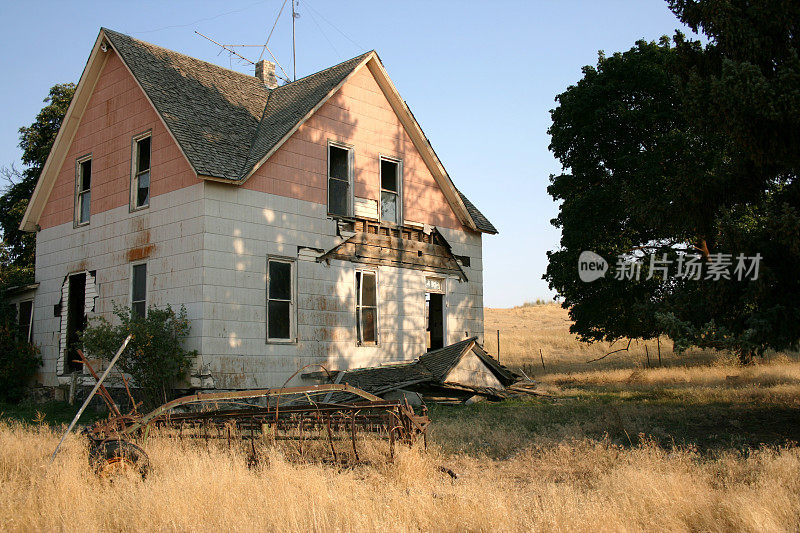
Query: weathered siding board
x,y
173,264
117,111
235,292
365,207
471,371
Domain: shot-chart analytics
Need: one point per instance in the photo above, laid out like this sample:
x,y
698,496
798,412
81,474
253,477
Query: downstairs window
x,y
366,307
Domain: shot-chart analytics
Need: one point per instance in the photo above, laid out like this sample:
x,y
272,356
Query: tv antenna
x,y
295,15
265,47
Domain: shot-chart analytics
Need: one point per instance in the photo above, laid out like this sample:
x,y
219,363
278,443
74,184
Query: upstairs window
x,y
139,289
140,182
279,300
366,307
83,191
339,174
390,191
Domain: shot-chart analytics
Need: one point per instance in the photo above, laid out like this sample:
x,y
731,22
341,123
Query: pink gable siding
x,y
117,111
358,115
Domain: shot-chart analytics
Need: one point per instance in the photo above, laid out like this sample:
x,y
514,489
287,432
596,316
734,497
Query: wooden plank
x,y
389,262
394,242
370,249
407,256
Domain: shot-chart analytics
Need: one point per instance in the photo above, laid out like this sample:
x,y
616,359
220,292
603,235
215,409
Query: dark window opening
x,y
139,290
141,180
390,191
279,300
366,307
463,259
338,181
76,319
434,309
25,320
84,191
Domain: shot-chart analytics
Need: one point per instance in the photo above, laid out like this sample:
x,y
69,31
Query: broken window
x,y
366,307
140,186
390,191
139,289
435,312
279,299
338,180
25,320
83,191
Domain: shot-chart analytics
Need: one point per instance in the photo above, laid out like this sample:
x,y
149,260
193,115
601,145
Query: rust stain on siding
x,y
143,247
142,252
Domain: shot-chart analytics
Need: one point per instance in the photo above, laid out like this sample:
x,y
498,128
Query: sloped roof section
x,y
213,112
440,362
481,222
431,368
290,103
388,377
227,123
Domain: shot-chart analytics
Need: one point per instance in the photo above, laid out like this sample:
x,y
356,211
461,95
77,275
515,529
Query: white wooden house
x,y
305,223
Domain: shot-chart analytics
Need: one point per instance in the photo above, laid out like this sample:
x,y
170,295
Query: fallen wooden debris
x,y
459,373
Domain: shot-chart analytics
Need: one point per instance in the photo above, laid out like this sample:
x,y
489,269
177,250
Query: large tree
x,y
686,148
18,248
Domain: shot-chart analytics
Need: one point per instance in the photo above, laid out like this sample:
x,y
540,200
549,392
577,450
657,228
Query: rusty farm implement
x,y
329,418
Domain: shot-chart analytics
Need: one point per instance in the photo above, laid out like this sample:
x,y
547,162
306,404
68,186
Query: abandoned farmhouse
x,y
310,222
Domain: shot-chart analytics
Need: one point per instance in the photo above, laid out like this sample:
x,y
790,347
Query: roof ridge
x,y
246,167
107,30
325,69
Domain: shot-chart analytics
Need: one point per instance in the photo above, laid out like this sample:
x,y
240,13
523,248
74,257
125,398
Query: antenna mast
x,y
294,53
224,47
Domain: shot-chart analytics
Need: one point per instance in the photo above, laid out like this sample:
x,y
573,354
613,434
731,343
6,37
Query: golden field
x,y
696,445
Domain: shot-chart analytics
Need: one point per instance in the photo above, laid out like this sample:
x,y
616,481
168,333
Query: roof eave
x,y
66,133
421,142
150,101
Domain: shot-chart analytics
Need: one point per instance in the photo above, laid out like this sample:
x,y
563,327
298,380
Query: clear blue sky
x,y
479,76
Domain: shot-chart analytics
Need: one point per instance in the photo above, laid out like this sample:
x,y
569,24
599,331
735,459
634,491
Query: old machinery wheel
x,y
112,457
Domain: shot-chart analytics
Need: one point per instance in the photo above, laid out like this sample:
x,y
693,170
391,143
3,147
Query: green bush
x,y
19,360
155,358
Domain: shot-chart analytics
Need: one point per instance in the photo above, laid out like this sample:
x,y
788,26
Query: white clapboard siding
x,y
365,207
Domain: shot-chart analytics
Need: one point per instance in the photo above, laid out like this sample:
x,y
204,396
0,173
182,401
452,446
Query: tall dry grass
x,y
557,486
526,330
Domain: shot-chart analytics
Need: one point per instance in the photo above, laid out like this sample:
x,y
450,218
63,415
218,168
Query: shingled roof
x,y
431,368
227,122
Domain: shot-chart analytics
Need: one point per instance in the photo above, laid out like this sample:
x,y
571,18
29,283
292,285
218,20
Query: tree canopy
x,y
18,250
673,150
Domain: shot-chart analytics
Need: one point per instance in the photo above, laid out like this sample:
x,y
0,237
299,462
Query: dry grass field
x,y
698,444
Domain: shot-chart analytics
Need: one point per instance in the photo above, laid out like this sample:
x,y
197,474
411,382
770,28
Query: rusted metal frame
x,y
330,439
353,434
209,397
102,391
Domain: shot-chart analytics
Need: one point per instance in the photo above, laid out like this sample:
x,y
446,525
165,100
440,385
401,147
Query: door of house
x,y
435,312
76,318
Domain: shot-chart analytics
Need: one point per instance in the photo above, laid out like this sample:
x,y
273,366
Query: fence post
x,y
498,345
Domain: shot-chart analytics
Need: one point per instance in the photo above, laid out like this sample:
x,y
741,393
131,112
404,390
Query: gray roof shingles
x,y
225,121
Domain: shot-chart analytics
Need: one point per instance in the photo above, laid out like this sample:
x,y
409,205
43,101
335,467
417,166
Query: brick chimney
x,y
265,71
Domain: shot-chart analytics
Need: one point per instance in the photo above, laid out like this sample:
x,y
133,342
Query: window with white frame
x,y
83,191
140,179
280,299
391,179
339,177
366,307
139,289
